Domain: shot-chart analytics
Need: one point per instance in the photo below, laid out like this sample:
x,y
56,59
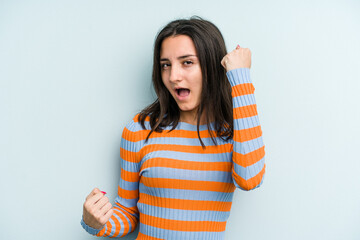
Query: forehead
x,y
177,46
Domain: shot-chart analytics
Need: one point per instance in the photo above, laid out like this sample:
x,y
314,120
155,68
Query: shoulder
x,y
133,135
133,131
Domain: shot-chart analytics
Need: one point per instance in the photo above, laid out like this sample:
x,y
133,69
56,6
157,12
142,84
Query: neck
x,y
191,117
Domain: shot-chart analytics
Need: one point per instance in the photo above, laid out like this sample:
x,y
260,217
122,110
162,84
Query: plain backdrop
x,y
74,73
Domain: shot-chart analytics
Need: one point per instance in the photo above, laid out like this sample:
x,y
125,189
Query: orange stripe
x,y
134,136
185,204
251,182
128,155
124,220
187,184
142,236
129,176
128,194
147,118
245,111
247,134
249,158
189,165
108,231
131,210
101,233
242,89
117,225
133,220
180,225
142,134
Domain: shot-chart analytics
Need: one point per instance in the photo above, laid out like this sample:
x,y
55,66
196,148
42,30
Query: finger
x,y
101,203
106,208
106,217
95,198
109,214
93,192
223,62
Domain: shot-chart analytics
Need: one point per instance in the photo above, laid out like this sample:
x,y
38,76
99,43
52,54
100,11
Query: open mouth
x,y
182,92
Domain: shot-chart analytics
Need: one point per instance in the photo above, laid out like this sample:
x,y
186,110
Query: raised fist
x,y
238,58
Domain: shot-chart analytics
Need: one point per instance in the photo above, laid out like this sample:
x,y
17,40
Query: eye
x,y
188,62
164,65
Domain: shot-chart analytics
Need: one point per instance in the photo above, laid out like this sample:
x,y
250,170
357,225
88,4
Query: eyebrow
x,y
181,57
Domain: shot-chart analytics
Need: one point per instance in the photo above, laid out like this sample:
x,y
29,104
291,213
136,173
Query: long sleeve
x,y
126,215
248,157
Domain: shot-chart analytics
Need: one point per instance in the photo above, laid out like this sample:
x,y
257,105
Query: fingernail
x,y
238,46
103,192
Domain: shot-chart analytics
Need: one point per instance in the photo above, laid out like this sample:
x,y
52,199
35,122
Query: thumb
x,y
223,63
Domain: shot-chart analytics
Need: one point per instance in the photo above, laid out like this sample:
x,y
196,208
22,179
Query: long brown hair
x,y
216,90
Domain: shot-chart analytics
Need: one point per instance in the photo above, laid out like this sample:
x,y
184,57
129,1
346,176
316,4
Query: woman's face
x,y
181,73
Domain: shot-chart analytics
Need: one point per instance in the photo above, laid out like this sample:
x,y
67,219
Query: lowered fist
x,y
238,58
97,209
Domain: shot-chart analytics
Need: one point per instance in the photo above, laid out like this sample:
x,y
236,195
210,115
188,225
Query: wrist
x,y
89,229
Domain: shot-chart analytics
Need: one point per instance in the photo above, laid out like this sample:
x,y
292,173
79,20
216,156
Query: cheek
x,y
167,85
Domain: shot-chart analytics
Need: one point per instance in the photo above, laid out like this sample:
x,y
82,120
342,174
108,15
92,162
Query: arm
x,y
125,213
248,168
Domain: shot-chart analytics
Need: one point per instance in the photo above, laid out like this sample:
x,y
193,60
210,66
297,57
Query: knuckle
x,y
102,220
86,205
97,215
92,212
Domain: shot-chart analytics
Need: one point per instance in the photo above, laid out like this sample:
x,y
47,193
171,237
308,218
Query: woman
x,y
184,155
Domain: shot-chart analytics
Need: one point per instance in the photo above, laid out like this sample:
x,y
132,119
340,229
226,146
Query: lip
x,y
181,98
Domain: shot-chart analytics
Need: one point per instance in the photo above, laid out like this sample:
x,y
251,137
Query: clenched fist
x,y
97,209
238,58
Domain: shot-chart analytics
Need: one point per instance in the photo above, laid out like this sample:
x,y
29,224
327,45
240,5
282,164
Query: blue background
x,y
74,73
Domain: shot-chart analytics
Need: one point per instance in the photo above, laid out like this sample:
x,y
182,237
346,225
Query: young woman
x,y
184,155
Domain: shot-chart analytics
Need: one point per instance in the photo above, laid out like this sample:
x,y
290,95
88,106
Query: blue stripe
x,y
179,235
183,174
129,185
243,100
136,126
126,202
198,157
238,76
245,123
130,166
248,146
184,215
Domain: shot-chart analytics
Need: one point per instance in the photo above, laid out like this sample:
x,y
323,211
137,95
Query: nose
x,y
175,73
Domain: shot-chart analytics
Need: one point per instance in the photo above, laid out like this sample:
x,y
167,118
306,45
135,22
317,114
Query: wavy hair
x,y
216,90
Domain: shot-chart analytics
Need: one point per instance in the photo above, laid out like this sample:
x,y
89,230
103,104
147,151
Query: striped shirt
x,y
173,187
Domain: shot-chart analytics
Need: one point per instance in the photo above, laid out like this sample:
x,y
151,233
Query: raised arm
x,y
248,168
125,213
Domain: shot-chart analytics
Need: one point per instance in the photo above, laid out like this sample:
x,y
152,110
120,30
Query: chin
x,y
186,108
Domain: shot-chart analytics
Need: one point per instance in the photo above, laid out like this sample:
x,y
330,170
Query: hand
x,y
238,58
97,209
